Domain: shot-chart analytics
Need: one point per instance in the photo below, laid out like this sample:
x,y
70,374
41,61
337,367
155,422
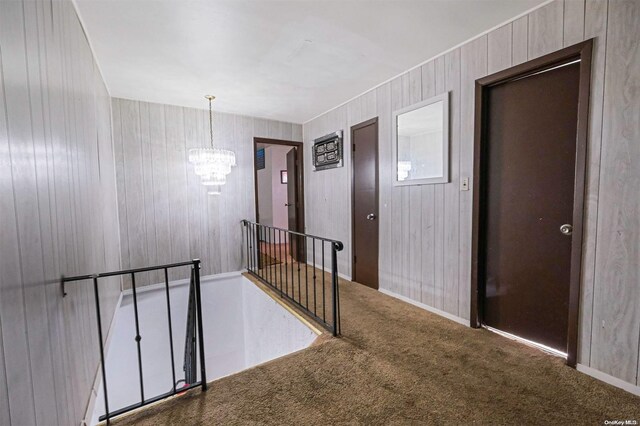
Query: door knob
x,y
566,229
288,204
371,216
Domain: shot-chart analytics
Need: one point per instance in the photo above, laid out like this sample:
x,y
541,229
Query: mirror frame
x,y
444,98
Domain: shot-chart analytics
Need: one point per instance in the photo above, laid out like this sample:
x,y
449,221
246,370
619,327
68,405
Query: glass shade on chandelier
x,y
212,165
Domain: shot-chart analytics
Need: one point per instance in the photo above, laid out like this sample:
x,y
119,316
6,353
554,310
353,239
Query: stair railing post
x,y
203,369
334,282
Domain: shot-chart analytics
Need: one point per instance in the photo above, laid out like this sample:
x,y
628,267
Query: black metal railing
x,y
194,286
190,361
293,264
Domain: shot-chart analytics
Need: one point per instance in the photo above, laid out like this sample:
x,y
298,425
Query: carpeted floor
x,y
398,364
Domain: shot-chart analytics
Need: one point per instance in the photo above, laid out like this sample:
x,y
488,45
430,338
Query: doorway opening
x,y
528,198
279,195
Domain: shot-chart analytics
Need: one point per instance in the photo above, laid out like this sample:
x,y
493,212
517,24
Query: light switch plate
x,y
464,184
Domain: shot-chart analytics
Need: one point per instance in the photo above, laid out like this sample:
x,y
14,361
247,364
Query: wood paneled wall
x,y
165,213
57,212
425,231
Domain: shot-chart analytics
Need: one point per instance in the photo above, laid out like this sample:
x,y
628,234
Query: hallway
x,y
398,364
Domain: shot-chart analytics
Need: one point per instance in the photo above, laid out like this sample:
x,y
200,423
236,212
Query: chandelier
x,y
211,164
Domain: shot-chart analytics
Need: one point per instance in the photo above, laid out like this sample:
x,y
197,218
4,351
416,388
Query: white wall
x,y
165,213
278,189
57,212
425,231
265,189
242,326
272,195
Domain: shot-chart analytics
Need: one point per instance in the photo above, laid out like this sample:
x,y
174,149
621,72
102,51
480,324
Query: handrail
x,y
284,281
339,245
126,271
195,281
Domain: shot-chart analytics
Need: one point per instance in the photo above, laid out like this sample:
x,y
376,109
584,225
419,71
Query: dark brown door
x,y
527,204
293,203
364,141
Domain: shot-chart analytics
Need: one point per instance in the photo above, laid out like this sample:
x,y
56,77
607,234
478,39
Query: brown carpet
x,y
398,364
267,260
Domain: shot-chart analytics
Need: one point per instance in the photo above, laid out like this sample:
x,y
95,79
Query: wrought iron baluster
x,y
293,278
203,369
306,273
315,294
324,300
102,364
298,265
138,337
246,231
334,282
286,264
280,260
173,367
271,250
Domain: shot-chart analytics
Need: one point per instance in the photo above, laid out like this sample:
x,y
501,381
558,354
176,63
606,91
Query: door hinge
x,y
355,259
354,147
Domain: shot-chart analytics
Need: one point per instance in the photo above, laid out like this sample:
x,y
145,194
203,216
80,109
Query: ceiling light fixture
x,y
211,164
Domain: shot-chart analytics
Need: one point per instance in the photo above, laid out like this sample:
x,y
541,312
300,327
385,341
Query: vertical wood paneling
x,y
439,213
39,332
520,40
146,160
134,190
574,11
616,316
173,218
595,26
228,229
56,184
452,189
428,76
609,289
160,195
499,48
21,144
399,284
414,208
195,200
177,176
474,62
19,402
546,29
383,109
122,193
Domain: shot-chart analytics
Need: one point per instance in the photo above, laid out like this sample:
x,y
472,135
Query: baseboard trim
x,y
614,381
431,309
328,270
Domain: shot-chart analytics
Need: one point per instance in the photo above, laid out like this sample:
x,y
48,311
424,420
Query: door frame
x,y
300,157
353,198
581,51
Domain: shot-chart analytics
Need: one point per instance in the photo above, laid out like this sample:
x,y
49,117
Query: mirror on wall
x,y
421,142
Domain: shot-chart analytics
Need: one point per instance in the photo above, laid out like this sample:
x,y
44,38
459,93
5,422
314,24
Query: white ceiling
x,y
287,60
